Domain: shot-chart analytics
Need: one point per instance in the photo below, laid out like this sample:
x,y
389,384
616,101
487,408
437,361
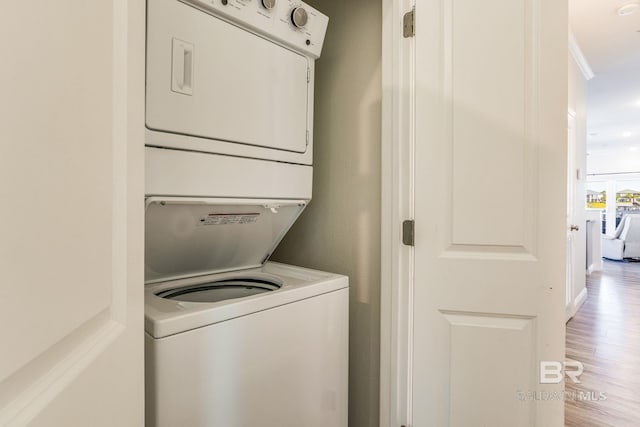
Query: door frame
x,y
396,299
570,307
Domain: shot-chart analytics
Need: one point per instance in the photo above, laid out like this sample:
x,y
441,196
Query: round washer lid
x,y
187,237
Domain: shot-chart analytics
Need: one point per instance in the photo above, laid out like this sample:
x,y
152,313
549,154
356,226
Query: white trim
x,y
569,308
396,259
575,305
569,312
580,299
30,402
579,57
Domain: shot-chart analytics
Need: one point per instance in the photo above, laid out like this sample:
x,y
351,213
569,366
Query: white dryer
x,y
233,340
233,77
229,97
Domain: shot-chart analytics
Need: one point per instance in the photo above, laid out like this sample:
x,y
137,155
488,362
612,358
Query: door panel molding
x,y
474,123
38,383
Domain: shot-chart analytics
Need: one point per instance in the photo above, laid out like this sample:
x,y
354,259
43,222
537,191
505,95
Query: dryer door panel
x,y
207,78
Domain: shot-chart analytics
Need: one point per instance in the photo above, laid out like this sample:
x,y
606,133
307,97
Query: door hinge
x,y
409,23
408,232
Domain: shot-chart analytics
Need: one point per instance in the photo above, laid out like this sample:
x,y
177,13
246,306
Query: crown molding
x,y
578,56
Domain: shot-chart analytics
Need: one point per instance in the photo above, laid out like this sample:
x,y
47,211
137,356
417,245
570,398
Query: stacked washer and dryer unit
x,y
233,340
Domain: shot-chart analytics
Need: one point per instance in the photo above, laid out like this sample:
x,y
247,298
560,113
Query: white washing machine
x,y
233,340
230,340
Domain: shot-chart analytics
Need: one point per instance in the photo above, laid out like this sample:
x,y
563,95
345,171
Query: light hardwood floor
x,y
605,336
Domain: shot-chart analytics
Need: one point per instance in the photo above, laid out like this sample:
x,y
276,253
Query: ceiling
x,y
611,45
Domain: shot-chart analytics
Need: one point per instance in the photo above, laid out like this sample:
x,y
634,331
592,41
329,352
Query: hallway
x,y
605,336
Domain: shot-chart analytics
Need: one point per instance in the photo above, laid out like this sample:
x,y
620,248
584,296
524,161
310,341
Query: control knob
x,y
299,17
269,4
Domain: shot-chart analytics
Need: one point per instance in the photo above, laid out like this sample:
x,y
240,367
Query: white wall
x,y
340,230
578,104
617,162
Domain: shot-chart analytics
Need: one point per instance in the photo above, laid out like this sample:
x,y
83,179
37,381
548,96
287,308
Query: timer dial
x,y
299,17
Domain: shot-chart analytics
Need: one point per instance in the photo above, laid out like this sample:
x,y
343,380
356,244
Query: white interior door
x,y
490,201
71,181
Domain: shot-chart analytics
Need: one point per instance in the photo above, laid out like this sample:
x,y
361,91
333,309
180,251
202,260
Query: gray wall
x,y
340,230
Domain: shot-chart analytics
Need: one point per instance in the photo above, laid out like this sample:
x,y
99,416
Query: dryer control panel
x,y
290,22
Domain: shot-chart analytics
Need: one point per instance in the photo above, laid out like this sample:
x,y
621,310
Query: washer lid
x,y
187,237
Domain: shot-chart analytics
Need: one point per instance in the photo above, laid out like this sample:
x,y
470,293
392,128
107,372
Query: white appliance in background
x,y
232,339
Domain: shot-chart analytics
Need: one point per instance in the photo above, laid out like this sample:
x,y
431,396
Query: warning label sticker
x,y
229,218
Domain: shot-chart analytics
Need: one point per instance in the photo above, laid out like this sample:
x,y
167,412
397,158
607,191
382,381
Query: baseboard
x,y
580,299
569,312
573,307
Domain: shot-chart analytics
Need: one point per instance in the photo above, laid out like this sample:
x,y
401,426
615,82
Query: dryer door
x,y
215,87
